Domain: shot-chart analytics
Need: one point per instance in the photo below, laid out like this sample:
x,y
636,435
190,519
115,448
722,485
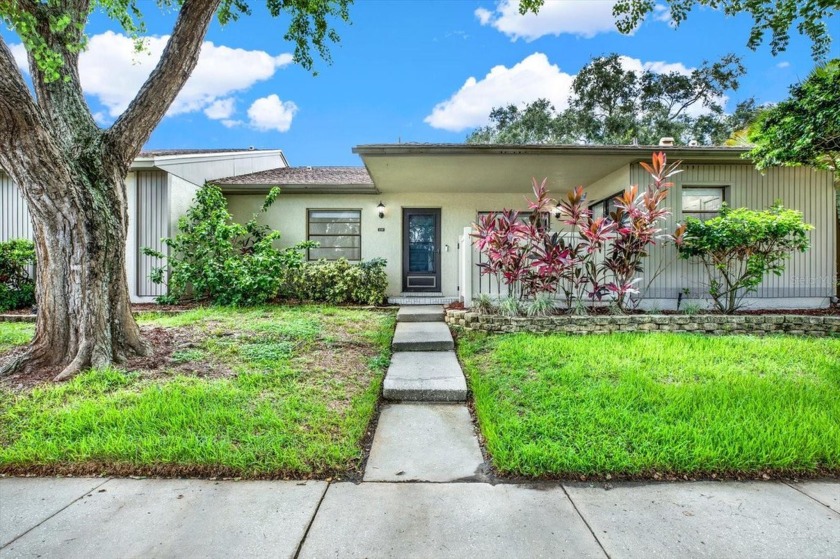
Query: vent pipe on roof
x,y
694,143
666,142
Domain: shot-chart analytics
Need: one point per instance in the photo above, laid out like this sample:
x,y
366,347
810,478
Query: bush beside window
x,y
17,288
741,247
214,259
338,282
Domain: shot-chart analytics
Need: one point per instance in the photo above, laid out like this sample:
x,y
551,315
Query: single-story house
x,y
413,204
161,185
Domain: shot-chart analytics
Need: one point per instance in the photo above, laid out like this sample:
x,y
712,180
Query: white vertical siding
x,y
15,222
807,275
152,226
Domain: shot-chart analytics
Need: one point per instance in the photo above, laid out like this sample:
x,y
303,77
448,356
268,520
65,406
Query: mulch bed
x,y
163,343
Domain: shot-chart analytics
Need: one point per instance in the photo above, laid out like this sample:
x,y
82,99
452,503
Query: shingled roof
x,y
314,176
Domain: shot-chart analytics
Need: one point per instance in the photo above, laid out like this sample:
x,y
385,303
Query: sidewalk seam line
x,y
591,531
62,509
312,521
810,497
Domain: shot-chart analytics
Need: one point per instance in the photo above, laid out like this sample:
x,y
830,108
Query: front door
x,y
421,249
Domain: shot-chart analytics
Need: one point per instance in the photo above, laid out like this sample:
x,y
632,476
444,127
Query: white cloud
x,y
783,64
533,78
556,17
112,71
221,109
663,14
657,67
19,54
270,113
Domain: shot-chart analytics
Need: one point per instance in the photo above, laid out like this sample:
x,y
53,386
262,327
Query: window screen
x,y
702,202
338,232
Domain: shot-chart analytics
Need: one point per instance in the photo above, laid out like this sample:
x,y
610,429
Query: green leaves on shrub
x,y
740,247
338,281
215,259
17,288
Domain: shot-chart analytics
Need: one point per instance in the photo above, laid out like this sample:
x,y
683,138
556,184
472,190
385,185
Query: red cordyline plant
x,y
638,218
529,259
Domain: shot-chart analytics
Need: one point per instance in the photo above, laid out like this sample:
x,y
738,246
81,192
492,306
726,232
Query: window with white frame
x,y
702,202
337,232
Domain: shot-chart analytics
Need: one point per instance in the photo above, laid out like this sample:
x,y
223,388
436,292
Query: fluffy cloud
x,y
533,78
663,14
556,17
112,72
270,113
221,109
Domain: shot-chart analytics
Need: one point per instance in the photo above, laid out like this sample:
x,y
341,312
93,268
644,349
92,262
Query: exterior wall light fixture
x,y
380,209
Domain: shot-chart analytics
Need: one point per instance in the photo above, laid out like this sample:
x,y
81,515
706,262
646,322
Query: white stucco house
x,y
413,204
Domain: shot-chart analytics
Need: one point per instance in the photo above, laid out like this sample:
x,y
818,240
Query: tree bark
x,y
84,313
72,176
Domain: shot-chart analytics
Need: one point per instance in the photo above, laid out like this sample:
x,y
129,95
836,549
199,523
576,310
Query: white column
x,y
466,267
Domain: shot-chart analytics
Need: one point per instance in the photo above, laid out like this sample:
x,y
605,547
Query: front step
x,y
420,313
422,336
425,376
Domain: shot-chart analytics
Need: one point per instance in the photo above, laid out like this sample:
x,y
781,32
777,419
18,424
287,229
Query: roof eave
x,y
689,152
232,188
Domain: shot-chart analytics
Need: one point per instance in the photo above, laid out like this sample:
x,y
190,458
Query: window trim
x,y
604,204
708,214
309,236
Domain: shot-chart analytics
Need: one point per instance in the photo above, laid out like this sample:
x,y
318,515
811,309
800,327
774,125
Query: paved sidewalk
x,y
92,517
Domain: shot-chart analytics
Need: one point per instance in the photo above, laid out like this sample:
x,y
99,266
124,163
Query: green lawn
x,y
268,392
647,404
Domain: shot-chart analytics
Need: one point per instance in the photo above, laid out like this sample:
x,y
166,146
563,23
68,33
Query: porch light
x,y
380,209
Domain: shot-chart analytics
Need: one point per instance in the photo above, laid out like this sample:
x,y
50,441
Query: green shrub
x,y
17,289
215,259
740,247
337,282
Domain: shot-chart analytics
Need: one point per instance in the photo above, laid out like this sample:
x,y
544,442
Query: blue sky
x,y
401,71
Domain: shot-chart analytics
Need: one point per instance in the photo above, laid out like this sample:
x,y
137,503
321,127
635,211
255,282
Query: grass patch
x,y
650,404
13,334
283,411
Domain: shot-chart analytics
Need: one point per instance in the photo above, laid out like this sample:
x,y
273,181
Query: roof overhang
x,y
160,162
509,168
300,188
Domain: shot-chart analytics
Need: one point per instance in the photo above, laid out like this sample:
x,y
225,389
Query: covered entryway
x,y
421,250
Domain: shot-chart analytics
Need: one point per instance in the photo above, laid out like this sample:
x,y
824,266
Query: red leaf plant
x,y
591,258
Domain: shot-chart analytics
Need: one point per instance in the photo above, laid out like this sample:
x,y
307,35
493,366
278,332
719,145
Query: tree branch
x,y
131,130
20,117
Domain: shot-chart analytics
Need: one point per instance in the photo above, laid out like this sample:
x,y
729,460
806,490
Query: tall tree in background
x,y
803,129
773,16
613,104
71,173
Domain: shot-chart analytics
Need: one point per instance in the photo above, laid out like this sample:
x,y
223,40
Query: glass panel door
x,y
421,249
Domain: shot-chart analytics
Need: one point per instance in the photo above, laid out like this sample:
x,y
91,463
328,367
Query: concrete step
x,y
424,442
422,336
420,313
425,376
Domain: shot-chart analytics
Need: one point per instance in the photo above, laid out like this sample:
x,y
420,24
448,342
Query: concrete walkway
x,y
90,518
423,435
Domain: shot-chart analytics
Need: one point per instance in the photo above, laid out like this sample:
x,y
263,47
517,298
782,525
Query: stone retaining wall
x,y
707,324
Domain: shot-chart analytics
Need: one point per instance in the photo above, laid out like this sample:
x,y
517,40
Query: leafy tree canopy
x,y
804,129
773,16
611,104
41,24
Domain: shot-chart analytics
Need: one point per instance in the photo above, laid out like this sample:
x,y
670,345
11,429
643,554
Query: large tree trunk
x,y
72,176
84,313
